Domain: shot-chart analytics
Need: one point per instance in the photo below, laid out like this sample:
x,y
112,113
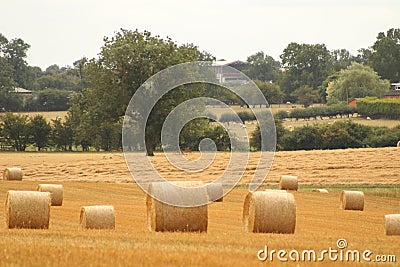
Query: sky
x,y
63,31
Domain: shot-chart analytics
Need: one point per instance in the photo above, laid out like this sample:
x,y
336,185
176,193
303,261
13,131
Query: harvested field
x,y
320,223
356,167
103,179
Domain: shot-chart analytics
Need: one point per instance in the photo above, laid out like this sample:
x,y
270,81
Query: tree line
x,y
99,89
338,135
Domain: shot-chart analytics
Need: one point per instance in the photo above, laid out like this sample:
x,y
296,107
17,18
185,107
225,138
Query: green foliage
x,y
271,91
321,112
357,81
262,67
305,95
62,134
126,61
339,135
15,130
377,108
305,65
384,55
40,131
255,138
196,130
228,117
48,100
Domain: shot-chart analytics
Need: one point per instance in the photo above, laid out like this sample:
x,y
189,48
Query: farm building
x,y
225,74
353,102
394,91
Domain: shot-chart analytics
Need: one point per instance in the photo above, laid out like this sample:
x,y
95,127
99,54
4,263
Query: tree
x,y
15,129
271,91
342,59
14,51
40,131
384,56
126,61
356,81
262,67
305,95
304,64
62,134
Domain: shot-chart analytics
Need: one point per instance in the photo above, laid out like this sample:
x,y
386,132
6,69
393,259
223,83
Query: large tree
x,y
126,61
262,67
356,81
14,52
384,55
304,64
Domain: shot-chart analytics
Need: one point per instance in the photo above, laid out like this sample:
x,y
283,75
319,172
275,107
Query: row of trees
x,y
339,135
17,132
103,86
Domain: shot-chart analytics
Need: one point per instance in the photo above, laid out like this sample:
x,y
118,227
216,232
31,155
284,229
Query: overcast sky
x,y
63,31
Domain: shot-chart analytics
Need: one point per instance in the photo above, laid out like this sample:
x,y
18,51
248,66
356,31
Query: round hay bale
x,y
320,190
97,217
352,200
392,224
398,144
288,182
27,209
162,217
269,212
215,192
12,174
55,190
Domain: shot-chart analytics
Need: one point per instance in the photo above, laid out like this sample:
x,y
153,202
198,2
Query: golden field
x,y
103,178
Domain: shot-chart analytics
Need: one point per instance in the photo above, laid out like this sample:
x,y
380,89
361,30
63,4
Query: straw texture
x,y
27,209
269,212
288,182
352,200
392,224
97,217
12,174
56,192
162,217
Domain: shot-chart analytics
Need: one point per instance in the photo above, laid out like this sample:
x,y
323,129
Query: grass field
x,y
103,178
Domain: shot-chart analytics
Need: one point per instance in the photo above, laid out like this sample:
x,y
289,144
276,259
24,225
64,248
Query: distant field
x,y
103,178
49,115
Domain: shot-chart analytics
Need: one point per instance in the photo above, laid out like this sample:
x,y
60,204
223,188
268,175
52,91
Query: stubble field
x,y
103,178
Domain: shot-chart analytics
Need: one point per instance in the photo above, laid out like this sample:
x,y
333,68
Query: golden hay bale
x,y
352,200
320,190
12,174
163,217
269,212
392,224
215,192
97,217
398,144
27,209
55,190
288,182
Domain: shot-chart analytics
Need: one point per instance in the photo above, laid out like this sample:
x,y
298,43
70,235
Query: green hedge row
x,y
379,108
317,112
